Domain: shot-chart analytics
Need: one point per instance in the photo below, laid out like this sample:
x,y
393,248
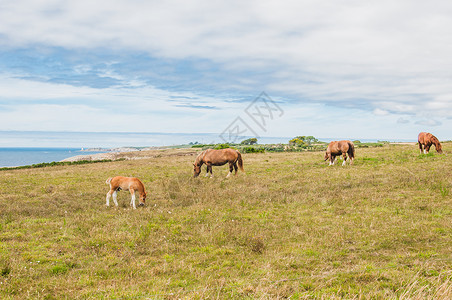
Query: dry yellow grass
x,y
290,226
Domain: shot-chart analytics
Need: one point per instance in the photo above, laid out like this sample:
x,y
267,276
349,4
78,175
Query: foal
x,y
126,183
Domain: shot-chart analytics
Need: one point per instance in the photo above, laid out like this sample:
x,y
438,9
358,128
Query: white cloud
x,y
50,106
393,56
428,122
402,120
380,112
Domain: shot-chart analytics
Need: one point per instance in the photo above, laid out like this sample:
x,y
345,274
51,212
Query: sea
x,y
15,157
21,148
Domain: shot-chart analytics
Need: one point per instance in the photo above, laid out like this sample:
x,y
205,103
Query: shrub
x,y
222,146
250,141
252,150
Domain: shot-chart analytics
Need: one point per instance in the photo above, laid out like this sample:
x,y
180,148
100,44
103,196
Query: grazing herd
x,y
211,157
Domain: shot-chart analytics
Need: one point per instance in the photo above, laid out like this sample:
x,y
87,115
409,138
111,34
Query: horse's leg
x,y
345,158
333,159
115,194
420,147
132,202
231,167
235,168
207,171
108,197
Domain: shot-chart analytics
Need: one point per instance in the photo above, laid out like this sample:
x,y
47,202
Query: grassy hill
x,y
290,226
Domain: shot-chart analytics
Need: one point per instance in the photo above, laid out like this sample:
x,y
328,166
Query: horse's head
x,y
142,199
196,170
438,148
326,156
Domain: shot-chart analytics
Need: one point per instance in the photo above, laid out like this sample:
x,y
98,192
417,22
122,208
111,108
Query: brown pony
x,y
126,183
212,157
428,139
336,148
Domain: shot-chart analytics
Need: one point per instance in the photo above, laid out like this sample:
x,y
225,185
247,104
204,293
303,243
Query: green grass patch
x,y
290,226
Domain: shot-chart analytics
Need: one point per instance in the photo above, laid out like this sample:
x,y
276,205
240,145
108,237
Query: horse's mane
x,y
436,142
198,158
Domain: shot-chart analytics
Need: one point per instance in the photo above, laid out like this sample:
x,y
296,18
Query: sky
x,y
332,69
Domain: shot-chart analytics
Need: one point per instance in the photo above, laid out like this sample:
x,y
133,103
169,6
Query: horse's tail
x,y
240,161
351,150
108,180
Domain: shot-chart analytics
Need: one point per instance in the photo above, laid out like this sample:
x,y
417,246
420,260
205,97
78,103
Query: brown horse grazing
x,y
336,148
126,183
428,139
212,157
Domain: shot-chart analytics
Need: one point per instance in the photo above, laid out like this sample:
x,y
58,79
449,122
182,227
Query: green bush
x,y
252,150
250,141
222,146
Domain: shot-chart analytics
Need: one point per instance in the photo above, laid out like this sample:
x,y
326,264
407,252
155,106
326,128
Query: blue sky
x,y
348,69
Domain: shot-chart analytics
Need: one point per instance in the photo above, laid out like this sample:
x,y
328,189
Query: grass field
x,y
290,226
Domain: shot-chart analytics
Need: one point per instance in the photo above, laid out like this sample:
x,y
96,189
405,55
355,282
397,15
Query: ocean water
x,y
14,157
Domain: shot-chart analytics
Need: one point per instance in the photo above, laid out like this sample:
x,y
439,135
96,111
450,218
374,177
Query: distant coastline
x,y
21,148
22,156
119,149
